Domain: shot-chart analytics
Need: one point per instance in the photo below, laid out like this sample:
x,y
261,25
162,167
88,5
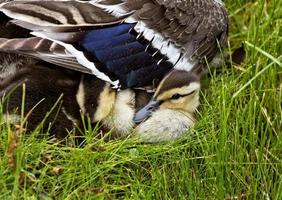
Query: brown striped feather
x,y
43,49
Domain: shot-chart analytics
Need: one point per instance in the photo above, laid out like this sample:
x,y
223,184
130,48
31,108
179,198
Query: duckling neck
x,y
120,118
95,98
122,113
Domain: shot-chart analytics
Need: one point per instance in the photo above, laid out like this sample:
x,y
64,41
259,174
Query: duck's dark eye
x,y
176,96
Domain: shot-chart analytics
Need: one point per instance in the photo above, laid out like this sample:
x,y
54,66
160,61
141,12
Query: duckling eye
x,y
176,96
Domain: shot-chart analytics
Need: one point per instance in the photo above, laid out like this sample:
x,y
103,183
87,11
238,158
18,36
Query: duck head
x,y
179,90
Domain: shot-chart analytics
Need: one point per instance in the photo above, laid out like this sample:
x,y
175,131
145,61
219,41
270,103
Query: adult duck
x,y
128,43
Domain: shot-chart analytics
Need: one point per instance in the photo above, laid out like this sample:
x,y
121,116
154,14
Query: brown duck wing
x,y
44,49
193,26
61,16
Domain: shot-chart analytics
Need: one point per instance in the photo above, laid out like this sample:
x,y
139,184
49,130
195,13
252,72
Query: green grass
x,y
234,151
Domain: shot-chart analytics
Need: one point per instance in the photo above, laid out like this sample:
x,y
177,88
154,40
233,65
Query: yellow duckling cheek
x,y
174,104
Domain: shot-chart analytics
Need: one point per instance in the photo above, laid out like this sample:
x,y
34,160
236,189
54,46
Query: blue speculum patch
x,y
129,58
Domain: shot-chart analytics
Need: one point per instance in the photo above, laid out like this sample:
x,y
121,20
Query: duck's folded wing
x,y
68,15
199,27
131,41
190,25
44,49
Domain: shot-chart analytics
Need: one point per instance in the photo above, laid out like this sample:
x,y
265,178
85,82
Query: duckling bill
x,y
146,111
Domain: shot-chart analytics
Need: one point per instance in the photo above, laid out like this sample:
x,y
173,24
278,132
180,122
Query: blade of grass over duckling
x,y
18,154
55,108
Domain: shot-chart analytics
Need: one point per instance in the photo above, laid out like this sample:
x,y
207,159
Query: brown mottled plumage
x,y
185,33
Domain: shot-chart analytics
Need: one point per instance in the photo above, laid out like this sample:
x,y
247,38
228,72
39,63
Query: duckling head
x,y
178,91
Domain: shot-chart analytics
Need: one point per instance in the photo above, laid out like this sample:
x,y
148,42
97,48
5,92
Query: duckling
x,y
165,115
161,116
126,43
44,86
170,112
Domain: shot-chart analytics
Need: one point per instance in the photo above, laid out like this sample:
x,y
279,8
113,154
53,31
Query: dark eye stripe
x,y
177,96
190,93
